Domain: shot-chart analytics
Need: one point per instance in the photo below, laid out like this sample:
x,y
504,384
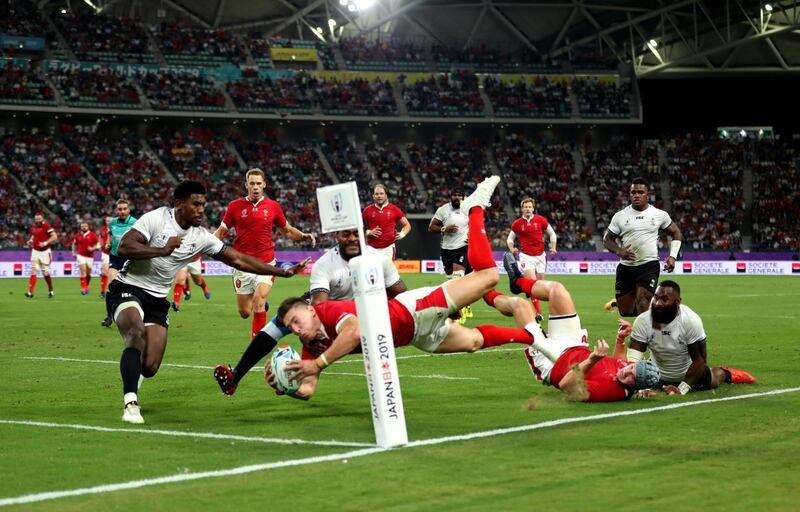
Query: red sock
x,y
203,285
83,283
88,280
526,283
537,305
186,286
49,281
490,296
494,335
479,252
177,293
259,321
32,283
103,283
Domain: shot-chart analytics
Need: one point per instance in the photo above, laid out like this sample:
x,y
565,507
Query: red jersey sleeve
x,y
230,217
398,212
280,217
515,227
545,224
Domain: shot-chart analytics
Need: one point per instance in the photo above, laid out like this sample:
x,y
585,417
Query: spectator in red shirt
x,y
380,220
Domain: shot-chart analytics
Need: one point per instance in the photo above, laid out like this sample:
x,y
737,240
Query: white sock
x,y
128,398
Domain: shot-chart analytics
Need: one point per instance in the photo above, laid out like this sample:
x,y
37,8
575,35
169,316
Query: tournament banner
x,y
222,72
695,268
294,54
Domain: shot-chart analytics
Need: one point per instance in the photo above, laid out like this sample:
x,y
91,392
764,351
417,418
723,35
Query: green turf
x,y
733,455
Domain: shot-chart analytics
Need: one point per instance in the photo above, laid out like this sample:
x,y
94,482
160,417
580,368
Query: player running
x,y
160,243
253,218
84,243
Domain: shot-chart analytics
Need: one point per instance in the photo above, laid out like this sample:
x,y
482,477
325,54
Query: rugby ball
x,y
280,358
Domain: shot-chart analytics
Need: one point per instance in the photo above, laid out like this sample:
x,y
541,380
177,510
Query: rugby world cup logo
x,y
372,276
337,202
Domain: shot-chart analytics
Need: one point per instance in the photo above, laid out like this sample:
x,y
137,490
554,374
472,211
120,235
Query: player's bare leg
x,y
539,276
484,276
201,282
626,304
177,292
32,279
86,276
464,339
134,336
643,298
154,348
104,273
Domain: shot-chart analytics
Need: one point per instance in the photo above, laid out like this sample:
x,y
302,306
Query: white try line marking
x,y
199,367
185,477
178,433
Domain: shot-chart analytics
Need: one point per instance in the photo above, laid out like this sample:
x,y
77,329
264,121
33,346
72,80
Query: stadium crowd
x,y
367,54
168,90
105,39
453,94
89,87
776,195
539,98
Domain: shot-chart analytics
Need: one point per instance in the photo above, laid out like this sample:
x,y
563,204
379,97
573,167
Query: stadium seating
x,y
259,46
121,165
608,171
392,171
50,174
356,97
200,154
104,39
181,91
185,46
444,95
486,60
294,172
18,206
705,175
95,89
368,54
776,195
20,85
598,99
539,98
20,18
263,95
545,172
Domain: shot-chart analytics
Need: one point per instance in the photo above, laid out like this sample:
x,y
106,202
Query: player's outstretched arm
x,y
246,263
294,234
221,231
624,330
133,246
348,338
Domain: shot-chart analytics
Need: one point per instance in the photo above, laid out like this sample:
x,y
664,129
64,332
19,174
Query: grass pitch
x,y
484,435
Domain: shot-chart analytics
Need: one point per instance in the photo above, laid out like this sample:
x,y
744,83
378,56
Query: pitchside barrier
x,y
703,268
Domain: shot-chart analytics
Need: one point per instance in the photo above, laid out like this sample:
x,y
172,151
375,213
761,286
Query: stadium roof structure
x,y
658,37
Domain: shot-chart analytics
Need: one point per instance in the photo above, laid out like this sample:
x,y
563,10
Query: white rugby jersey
x,y
331,273
155,275
640,231
447,215
669,345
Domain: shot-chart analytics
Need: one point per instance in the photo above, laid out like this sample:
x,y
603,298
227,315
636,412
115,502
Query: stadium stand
x,y
185,46
104,39
705,174
167,90
294,172
20,18
547,173
538,98
47,170
486,60
95,88
119,164
453,94
355,97
20,85
598,99
608,171
259,46
264,95
776,195
365,54
17,208
396,174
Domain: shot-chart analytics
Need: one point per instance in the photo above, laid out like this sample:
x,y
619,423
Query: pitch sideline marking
x,y
184,477
179,433
200,367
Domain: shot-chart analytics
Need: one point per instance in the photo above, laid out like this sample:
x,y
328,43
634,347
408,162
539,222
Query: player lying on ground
x,y
418,317
677,342
330,280
562,357
158,245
